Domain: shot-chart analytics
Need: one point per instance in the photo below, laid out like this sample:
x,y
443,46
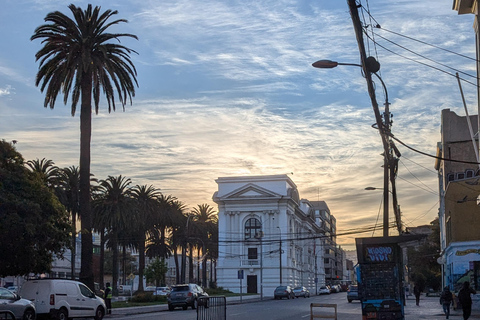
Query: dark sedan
x,y
283,292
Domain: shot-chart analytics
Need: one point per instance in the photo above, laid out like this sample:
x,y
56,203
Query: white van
x,y
63,299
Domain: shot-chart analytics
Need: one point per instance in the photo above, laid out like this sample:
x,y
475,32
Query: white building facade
x,y
267,236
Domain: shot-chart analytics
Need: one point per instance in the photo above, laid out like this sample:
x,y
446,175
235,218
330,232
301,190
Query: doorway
x,y
252,284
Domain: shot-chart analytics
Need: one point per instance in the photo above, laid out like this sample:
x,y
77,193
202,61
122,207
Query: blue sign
x,y
240,274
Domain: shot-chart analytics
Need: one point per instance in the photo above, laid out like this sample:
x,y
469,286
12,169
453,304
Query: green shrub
x,y
147,297
217,291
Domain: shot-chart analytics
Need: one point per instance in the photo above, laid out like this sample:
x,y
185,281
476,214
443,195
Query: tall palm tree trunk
x,y
124,265
190,264
204,268
184,264
74,244
86,270
198,264
141,261
114,267
102,258
177,267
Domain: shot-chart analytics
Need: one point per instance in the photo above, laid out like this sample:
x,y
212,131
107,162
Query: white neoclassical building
x,y
267,235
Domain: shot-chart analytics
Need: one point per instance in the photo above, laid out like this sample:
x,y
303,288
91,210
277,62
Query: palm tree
x,y
114,207
68,193
78,55
205,219
147,204
46,169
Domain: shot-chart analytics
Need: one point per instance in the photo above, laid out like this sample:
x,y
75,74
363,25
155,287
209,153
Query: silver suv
x,y
185,295
12,302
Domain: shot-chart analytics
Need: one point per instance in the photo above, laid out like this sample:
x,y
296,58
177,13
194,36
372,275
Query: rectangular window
x,y
252,254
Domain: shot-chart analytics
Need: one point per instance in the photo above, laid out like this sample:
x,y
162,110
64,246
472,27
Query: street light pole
x,y
280,255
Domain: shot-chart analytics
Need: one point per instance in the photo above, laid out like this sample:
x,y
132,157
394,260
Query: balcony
x,y
250,262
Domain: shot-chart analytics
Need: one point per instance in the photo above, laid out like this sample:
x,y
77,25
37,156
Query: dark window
x,y
253,227
469,173
252,253
460,176
450,177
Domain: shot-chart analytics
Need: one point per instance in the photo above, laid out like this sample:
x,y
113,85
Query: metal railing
x,y
212,308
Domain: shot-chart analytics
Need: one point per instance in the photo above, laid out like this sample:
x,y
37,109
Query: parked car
x,y
301,292
162,291
63,299
335,288
150,289
185,295
14,289
21,308
352,293
283,292
324,290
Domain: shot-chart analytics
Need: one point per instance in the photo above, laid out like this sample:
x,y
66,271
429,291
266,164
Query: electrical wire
x,y
418,164
423,63
429,155
432,191
378,26
426,58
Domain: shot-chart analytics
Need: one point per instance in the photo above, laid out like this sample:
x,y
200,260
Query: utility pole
x,y
369,66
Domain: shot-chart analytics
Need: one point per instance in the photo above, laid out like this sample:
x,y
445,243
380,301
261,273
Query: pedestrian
x,y
416,292
465,299
446,299
108,298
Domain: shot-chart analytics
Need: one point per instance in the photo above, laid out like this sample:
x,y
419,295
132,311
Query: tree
x,y
33,224
146,206
68,193
114,207
155,272
205,219
422,260
46,169
78,55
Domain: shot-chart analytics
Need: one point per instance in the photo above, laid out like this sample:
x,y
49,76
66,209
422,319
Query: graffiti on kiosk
x,y
379,254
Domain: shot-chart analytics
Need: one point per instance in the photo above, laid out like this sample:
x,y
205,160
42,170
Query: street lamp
x,y
371,65
280,255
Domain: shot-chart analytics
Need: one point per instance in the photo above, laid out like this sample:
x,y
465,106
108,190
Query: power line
x,y
429,155
426,58
422,63
433,191
423,42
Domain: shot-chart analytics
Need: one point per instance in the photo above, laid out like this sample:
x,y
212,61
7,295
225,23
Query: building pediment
x,y
250,191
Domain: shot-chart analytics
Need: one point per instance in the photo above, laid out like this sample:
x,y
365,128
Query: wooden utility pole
x,y
383,128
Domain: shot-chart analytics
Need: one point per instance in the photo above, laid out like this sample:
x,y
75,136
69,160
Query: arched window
x,y
253,226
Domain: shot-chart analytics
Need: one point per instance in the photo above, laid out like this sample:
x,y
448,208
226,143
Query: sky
x,y
226,88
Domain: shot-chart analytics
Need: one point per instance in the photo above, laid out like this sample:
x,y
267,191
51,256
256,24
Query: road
x,y
268,309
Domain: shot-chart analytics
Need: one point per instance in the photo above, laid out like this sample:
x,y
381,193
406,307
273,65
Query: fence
x,y
324,315
212,308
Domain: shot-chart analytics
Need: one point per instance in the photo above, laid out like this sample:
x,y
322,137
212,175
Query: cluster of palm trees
x,y
137,217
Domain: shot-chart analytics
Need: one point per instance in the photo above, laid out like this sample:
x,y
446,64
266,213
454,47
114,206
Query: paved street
x,y
269,309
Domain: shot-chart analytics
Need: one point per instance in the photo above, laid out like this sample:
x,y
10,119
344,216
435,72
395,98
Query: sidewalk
x,y
430,308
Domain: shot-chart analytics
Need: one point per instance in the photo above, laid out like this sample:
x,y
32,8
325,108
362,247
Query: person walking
x,y
465,299
108,298
446,299
416,292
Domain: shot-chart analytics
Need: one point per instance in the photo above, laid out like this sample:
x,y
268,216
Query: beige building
x,y
459,213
